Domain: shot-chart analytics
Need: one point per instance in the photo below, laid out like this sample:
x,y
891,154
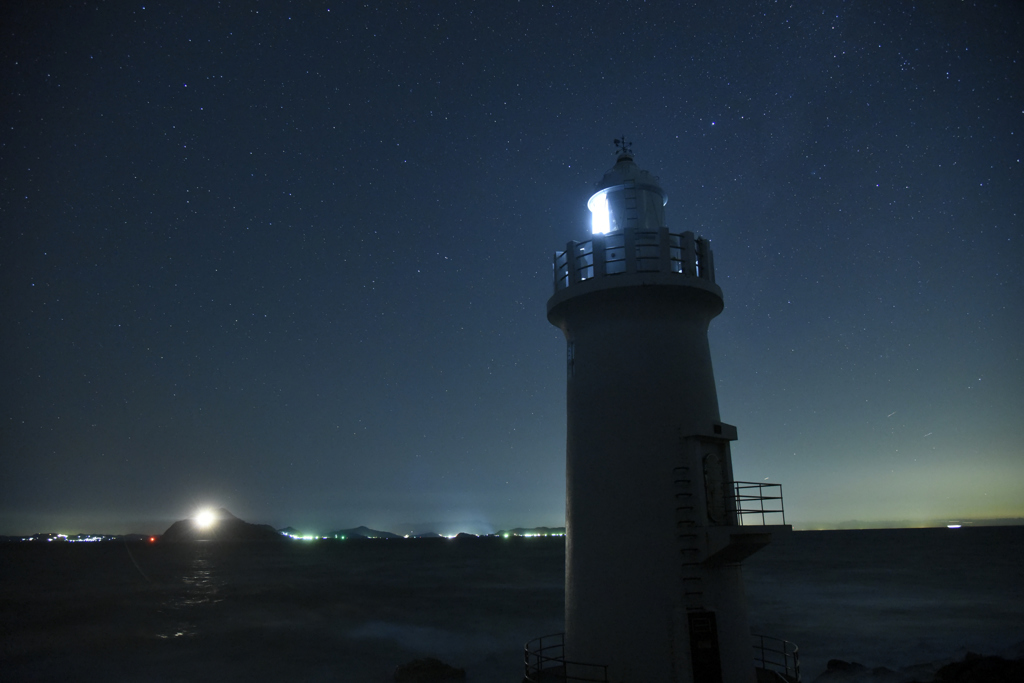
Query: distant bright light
x,y
205,518
598,206
952,526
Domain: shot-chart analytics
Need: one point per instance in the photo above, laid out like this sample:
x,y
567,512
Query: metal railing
x,y
544,660
634,251
756,501
780,656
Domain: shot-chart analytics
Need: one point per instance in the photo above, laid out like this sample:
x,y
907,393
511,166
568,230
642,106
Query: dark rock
x,y
428,670
978,669
841,665
769,676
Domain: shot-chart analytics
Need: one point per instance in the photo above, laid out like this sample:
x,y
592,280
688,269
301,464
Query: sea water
x,y
891,598
355,610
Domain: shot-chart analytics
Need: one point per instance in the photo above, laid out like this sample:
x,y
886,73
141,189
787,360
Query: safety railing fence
x,y
634,251
758,503
775,654
544,660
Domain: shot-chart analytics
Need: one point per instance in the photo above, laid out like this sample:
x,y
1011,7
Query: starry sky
x,y
293,258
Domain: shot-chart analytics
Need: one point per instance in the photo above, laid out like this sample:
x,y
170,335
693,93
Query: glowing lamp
x,y
205,519
598,206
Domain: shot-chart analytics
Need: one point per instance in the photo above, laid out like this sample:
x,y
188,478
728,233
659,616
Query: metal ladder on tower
x,y
688,539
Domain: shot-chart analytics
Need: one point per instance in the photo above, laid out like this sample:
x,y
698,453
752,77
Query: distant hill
x,y
362,532
225,527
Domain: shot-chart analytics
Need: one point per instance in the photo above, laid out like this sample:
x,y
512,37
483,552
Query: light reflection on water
x,y
202,587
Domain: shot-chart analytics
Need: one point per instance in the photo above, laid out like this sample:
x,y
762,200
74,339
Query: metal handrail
x,y
550,650
756,499
547,653
778,655
634,251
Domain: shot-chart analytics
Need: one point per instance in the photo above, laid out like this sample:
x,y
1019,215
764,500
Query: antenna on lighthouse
x,y
623,148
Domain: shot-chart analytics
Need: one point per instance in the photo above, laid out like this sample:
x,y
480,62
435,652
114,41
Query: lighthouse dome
x,y
627,197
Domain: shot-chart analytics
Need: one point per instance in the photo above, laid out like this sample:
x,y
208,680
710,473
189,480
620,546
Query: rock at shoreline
x,y
978,669
973,668
428,670
841,671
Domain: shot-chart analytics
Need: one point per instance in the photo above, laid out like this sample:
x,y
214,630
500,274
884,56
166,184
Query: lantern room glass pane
x,y
598,205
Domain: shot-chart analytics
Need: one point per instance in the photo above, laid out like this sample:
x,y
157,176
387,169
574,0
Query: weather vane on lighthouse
x,y
623,146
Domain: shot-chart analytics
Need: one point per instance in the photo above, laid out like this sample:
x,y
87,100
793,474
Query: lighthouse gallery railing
x,y
776,654
758,503
544,660
634,251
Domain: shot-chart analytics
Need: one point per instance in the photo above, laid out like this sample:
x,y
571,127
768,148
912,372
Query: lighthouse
x,y
657,526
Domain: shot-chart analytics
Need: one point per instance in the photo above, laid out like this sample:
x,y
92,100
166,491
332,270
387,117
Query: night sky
x,y
292,258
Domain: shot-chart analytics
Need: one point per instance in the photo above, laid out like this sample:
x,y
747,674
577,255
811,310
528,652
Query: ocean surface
x,y
354,611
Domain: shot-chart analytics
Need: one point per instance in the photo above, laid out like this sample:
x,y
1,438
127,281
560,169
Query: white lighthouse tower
x,y
656,525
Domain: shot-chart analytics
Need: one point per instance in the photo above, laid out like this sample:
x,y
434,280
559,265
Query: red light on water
x,y
152,539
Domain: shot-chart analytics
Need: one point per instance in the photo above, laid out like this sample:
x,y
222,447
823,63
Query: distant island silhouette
x,y
223,527
535,531
362,532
